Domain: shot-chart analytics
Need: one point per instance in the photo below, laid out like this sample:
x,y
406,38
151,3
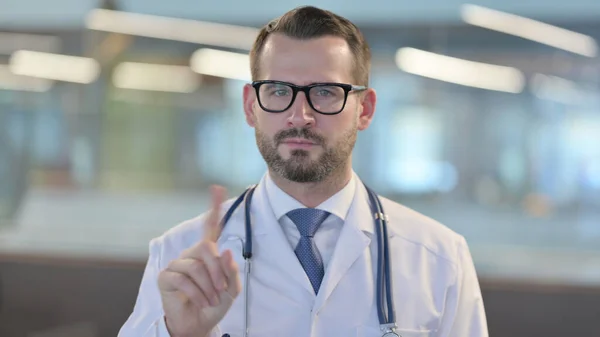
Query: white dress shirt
x,y
326,236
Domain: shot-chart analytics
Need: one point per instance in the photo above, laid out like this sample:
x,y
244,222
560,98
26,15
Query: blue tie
x,y
308,221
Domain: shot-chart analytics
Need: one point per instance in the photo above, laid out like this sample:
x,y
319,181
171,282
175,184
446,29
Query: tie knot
x,y
307,220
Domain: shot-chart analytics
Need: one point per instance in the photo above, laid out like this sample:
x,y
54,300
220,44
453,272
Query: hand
x,y
199,287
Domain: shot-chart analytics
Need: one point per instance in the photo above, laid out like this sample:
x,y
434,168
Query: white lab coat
x,y
435,287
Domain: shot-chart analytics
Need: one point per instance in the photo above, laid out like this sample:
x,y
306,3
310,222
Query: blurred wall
x,y
99,161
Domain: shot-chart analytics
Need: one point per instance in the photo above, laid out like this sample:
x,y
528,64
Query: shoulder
x,y
417,229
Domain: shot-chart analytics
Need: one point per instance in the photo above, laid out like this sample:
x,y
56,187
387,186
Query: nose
x,y
302,115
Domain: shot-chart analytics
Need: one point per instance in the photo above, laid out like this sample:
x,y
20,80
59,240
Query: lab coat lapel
x,y
271,246
354,240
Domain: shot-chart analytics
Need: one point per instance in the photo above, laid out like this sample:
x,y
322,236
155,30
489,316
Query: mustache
x,y
298,133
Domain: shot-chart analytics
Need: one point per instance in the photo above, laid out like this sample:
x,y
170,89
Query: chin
x,y
298,154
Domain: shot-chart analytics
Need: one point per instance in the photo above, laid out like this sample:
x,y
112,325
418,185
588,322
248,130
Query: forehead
x,y
323,59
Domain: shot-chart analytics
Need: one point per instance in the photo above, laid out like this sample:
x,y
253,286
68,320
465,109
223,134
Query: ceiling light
x,y
55,66
530,29
155,77
460,71
216,34
221,64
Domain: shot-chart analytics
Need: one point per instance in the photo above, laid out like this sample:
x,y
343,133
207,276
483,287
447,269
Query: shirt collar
x,y
282,203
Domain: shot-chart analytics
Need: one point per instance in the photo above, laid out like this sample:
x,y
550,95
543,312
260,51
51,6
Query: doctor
x,y
315,240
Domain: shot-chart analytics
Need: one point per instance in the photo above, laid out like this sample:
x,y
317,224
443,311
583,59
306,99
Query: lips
x,y
299,137
298,141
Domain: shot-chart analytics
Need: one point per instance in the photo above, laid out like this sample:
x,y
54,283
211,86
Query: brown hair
x,y
309,22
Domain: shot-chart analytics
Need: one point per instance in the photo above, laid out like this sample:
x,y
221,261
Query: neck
x,y
313,194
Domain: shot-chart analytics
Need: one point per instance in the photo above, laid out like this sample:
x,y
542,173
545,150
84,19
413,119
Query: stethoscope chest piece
x,y
390,334
389,330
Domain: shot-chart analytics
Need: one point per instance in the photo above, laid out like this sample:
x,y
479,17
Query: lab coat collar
x,y
361,209
355,237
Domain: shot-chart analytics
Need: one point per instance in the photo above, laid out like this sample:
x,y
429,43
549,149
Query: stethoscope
x,y
385,308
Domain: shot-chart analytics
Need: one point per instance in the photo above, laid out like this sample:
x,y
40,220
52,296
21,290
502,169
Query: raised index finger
x,y
212,228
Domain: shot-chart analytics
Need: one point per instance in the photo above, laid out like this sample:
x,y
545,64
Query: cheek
x,y
270,123
334,126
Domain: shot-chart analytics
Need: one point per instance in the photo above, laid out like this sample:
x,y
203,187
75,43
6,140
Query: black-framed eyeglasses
x,y
325,98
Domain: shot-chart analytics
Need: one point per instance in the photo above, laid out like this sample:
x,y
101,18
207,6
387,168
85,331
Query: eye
x,y
324,92
327,91
279,90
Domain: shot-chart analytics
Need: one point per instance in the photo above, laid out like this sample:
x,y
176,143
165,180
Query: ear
x,y
367,106
249,100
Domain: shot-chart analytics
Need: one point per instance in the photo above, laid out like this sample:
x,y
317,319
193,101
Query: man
x,y
307,283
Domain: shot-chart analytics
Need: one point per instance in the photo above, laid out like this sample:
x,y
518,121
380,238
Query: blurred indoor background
x,y
115,117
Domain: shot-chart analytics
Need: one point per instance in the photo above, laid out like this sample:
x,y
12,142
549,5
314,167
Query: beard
x,y
300,167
